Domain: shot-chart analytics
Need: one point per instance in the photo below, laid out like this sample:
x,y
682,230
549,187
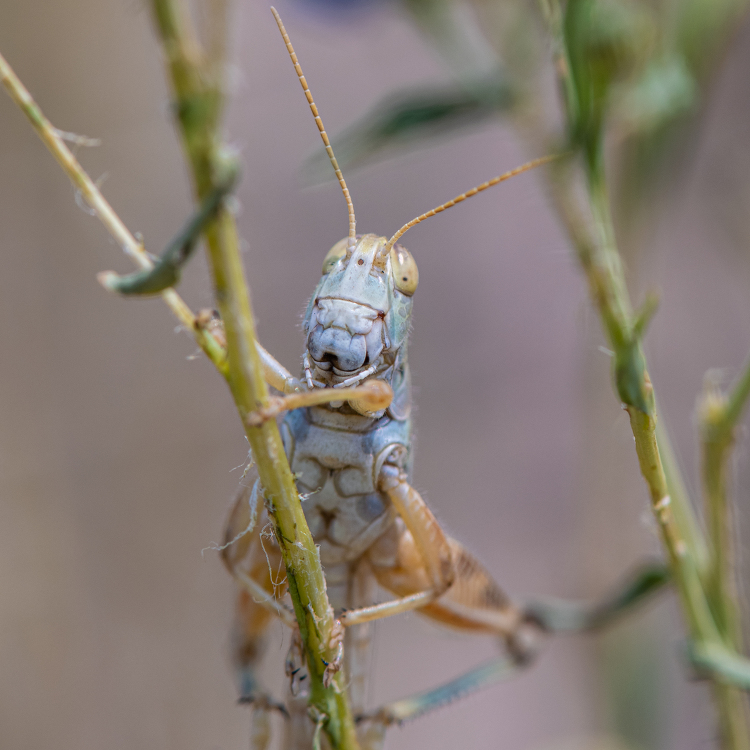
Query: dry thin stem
x,y
54,140
243,368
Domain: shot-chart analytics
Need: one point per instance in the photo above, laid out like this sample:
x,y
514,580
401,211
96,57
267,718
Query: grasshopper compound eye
x,y
334,255
404,269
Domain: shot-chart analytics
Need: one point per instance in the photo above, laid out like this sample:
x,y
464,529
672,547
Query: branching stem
x,y
51,137
672,509
197,84
700,573
198,98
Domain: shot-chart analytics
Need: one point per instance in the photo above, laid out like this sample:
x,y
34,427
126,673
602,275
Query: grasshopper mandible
x,y
352,463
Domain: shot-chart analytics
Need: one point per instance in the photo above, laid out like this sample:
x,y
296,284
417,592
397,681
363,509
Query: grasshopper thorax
x,y
358,318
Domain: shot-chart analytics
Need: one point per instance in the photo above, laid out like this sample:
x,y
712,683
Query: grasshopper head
x,y
358,319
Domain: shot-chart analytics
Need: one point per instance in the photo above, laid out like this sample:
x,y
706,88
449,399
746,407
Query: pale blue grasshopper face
x,y
358,318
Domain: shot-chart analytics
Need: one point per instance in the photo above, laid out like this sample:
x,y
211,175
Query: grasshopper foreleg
x,y
374,397
276,374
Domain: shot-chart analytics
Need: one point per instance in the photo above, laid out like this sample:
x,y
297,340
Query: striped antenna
x,y
468,194
319,123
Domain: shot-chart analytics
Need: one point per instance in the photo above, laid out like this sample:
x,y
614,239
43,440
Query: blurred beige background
x,y
117,443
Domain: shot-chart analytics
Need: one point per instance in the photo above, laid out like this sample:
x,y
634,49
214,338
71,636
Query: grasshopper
x,y
347,434
352,460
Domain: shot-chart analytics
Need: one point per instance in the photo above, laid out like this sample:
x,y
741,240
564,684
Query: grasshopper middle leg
x,y
252,564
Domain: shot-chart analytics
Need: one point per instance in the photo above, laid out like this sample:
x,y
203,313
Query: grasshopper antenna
x,y
468,194
319,123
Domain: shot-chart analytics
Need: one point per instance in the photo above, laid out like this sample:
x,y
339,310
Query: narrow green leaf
x,y
558,616
630,377
717,661
410,118
166,272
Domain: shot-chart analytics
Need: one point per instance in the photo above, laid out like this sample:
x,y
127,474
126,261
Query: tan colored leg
x,y
245,556
434,551
276,374
373,396
474,602
254,566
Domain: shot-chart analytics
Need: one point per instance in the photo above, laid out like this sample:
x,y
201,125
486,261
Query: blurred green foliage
x,y
639,67
406,119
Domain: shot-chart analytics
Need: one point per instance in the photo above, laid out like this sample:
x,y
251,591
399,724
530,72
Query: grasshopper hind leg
x,y
473,603
249,639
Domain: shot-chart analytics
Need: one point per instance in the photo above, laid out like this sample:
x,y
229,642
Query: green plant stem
x,y
53,140
684,513
673,512
602,266
197,90
719,415
606,296
721,664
